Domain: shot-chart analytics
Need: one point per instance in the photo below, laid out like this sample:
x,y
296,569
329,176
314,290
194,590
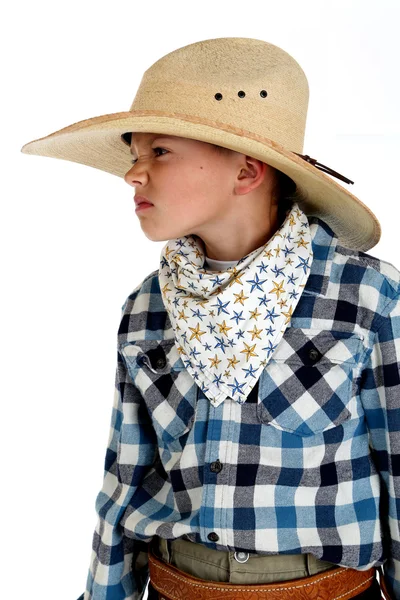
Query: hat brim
x,y
97,143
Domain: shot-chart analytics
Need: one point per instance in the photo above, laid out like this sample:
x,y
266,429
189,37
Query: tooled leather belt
x,y
341,583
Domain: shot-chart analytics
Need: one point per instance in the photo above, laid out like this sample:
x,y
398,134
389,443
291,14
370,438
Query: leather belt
x,y
341,583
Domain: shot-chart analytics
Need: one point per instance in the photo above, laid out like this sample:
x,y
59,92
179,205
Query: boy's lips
x,y
142,199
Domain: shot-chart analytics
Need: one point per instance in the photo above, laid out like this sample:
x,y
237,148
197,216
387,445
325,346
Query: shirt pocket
x,y
168,390
307,386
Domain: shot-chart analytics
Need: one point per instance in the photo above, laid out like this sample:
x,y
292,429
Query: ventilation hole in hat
x,y
218,96
241,94
263,93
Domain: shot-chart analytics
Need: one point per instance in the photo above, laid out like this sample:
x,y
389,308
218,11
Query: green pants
x,y
214,565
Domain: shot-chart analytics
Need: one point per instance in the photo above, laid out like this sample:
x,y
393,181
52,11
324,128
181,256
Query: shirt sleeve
x,y
380,397
119,564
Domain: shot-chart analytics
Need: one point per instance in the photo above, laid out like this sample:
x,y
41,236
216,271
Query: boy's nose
x,y
140,172
135,175
128,176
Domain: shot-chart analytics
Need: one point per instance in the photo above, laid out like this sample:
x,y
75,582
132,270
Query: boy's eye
x,y
134,160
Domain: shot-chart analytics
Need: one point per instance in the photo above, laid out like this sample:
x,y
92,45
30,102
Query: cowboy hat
x,y
240,93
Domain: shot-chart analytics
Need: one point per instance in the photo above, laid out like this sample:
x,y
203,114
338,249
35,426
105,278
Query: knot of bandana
x,y
228,324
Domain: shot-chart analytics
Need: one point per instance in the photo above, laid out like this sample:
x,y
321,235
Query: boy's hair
x,y
285,189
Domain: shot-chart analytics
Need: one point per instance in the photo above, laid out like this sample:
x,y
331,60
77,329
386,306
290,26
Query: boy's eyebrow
x,y
159,137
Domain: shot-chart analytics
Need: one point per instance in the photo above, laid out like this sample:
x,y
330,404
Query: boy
x,y
253,438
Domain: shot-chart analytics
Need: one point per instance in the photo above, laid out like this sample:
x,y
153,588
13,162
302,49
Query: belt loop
x,y
169,550
162,548
308,564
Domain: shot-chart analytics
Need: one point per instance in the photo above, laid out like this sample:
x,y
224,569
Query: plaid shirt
x,y
309,463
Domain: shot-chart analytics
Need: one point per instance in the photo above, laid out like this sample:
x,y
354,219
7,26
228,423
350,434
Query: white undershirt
x,y
210,264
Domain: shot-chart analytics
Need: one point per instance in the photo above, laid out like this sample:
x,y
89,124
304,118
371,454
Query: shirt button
x,y
314,354
160,363
213,536
241,557
216,466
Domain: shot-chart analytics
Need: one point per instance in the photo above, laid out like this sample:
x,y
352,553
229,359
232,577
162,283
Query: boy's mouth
x,y
141,200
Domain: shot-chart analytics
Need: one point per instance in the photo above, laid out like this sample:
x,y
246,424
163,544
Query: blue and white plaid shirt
x,y
309,463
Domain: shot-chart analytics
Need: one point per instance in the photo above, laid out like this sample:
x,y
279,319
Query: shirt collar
x,y
323,243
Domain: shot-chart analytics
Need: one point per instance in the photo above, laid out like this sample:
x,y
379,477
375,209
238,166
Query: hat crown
x,y
243,83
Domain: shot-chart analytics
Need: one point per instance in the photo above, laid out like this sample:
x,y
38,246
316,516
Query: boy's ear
x,y
254,167
251,175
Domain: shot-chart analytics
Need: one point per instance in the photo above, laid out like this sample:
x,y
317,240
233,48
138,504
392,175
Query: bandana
x,y
228,324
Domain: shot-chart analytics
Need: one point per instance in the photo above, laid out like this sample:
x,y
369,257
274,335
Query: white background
x,y
72,246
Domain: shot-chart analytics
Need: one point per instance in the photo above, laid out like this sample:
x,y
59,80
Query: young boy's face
x,y
193,188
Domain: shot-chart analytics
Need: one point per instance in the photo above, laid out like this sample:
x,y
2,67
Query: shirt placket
x,y
218,489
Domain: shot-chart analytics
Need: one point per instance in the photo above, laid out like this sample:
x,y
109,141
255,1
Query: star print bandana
x,y
228,324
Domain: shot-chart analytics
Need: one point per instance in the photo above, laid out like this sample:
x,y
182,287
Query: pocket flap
x,y
169,391
159,355
332,346
307,386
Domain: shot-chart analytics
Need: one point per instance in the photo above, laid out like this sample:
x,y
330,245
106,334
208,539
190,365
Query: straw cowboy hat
x,y
241,93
